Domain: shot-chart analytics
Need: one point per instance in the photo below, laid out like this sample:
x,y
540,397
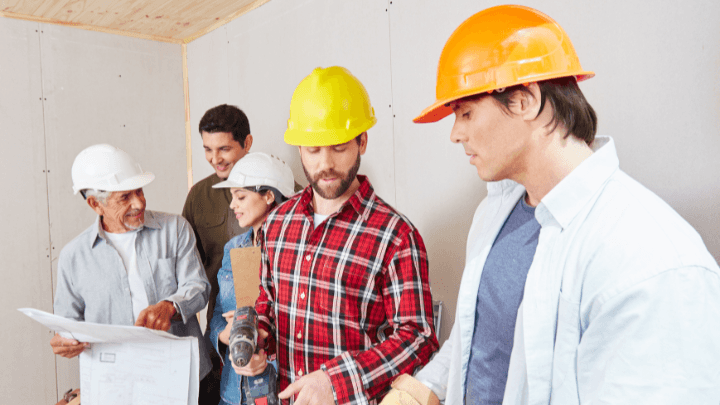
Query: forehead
x,y
218,139
240,191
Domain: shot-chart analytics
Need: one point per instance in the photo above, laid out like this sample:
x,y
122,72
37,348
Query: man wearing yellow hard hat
x,y
344,288
580,285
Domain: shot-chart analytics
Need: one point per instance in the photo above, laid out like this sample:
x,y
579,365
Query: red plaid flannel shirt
x,y
351,296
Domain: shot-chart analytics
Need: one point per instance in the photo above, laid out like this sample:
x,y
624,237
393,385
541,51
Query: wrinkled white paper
x,y
129,364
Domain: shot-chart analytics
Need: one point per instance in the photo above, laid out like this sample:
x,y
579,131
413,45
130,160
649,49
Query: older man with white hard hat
x,y
131,266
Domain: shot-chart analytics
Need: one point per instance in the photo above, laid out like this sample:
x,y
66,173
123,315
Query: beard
x,y
130,226
346,180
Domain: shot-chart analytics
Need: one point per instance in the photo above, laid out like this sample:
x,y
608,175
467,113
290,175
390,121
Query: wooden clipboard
x,y
246,275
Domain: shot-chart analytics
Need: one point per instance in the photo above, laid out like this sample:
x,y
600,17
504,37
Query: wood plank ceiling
x,y
175,21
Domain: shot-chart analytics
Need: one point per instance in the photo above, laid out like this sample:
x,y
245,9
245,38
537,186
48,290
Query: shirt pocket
x,y
567,339
165,277
344,293
226,296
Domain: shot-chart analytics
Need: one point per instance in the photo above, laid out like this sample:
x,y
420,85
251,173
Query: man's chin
x,y
330,193
134,225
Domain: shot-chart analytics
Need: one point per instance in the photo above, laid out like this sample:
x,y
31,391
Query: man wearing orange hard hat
x,y
580,285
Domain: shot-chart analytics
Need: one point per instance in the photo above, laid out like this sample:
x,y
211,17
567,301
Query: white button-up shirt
x,y
621,303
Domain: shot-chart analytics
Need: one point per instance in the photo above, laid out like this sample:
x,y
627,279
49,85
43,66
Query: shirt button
x,y
300,373
307,257
302,296
299,335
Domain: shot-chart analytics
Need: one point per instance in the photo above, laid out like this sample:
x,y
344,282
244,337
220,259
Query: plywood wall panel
x,y
102,88
208,73
29,372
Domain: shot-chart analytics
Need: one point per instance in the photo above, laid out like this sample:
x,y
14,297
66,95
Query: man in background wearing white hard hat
x,y
131,266
344,286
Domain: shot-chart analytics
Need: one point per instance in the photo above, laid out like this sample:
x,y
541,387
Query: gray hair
x,y
99,195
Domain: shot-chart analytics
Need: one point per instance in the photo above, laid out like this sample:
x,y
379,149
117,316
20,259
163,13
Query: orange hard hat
x,y
500,47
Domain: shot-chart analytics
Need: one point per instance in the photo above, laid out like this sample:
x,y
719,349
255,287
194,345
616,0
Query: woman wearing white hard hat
x,y
258,183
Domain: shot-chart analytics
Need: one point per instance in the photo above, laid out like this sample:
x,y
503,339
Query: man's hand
x,y
312,389
156,316
224,336
256,366
67,348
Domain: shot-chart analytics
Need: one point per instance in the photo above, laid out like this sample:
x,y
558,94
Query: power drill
x,y
260,389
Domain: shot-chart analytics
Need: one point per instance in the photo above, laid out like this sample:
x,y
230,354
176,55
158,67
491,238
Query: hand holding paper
x,y
156,316
67,348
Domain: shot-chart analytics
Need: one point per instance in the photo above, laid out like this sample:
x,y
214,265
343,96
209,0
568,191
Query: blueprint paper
x,y
129,364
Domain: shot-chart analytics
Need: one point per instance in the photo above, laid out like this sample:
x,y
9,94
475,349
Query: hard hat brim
x,y
298,137
132,183
440,108
229,184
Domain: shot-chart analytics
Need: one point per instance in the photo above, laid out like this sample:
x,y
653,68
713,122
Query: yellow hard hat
x,y
500,47
329,107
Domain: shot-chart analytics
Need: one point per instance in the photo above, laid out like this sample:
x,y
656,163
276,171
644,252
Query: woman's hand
x,y
256,366
224,336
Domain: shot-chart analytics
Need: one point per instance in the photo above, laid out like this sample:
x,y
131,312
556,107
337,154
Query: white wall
x,y
61,90
656,91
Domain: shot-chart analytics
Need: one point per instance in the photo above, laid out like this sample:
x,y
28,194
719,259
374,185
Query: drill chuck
x,y
243,335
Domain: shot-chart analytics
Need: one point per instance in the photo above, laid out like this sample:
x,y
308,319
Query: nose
x,y
233,203
457,135
216,158
138,201
325,161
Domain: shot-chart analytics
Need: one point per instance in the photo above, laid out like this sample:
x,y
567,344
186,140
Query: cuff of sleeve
x,y
346,380
270,341
178,313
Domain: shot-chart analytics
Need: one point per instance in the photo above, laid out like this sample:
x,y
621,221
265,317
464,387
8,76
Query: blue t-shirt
x,y
499,296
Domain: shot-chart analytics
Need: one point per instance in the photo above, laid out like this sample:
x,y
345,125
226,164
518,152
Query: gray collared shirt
x,y
93,283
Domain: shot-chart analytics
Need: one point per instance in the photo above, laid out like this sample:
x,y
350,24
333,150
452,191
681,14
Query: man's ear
x,y
526,104
363,142
248,142
95,205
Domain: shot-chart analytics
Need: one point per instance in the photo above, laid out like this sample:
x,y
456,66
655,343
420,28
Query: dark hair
x,y
570,108
226,118
263,190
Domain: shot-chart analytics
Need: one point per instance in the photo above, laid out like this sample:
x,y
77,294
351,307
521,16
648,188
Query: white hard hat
x,y
107,168
260,169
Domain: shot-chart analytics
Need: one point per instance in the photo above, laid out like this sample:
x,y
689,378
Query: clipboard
x,y
246,275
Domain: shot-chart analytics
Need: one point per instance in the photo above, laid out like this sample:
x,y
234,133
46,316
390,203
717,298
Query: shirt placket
x,y
301,363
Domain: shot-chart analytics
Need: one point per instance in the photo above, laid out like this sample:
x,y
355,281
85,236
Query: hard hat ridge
x,y
329,107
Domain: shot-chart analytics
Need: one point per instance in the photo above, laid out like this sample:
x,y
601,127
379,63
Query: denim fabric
x,y
231,383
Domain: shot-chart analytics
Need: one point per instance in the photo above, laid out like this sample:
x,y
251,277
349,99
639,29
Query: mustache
x,y
327,173
133,213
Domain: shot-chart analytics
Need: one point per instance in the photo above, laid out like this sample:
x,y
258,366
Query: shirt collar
x,y
362,197
98,232
574,192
